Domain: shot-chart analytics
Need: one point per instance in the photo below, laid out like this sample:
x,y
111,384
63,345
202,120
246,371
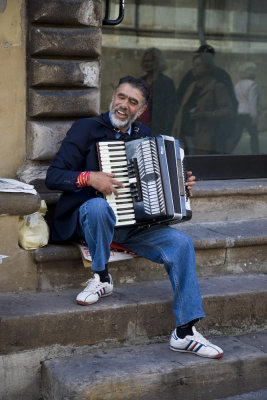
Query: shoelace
x,y
93,284
199,338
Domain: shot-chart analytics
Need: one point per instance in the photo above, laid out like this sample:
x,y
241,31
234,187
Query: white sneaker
x,y
94,290
195,344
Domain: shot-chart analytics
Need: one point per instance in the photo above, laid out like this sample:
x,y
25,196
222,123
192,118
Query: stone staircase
x,y
52,348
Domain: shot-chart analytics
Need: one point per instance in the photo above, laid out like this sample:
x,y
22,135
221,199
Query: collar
x,y
129,130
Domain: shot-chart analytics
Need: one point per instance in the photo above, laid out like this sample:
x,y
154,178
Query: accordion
x,y
152,172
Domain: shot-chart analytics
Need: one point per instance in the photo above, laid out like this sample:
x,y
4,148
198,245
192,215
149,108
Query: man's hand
x,y
104,182
190,182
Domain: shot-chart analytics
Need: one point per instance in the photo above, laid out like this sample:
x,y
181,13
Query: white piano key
x,y
122,218
111,143
121,204
121,223
114,164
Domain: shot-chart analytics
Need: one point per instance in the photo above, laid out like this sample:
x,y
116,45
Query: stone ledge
x,y
134,312
226,234
219,250
210,235
216,188
228,188
53,252
159,374
19,203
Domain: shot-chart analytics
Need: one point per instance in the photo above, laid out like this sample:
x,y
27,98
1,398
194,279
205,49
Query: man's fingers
x,y
117,183
190,182
114,190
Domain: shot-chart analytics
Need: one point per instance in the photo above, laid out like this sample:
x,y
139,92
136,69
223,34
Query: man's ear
x,y
140,112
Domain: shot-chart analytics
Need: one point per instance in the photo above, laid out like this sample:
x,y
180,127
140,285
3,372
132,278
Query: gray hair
x,y
247,70
158,58
137,83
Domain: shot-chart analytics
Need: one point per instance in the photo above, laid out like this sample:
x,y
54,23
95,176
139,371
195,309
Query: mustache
x,y
118,108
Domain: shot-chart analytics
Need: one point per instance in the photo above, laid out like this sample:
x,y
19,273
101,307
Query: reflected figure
x,y
247,93
205,107
159,114
219,73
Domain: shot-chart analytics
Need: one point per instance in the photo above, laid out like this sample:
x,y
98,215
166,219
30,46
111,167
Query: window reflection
x,y
247,93
158,40
159,114
206,106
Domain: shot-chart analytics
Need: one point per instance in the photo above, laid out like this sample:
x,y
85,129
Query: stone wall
x,y
49,76
12,86
63,64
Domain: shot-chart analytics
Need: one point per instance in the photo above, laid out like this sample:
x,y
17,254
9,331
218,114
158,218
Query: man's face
x,y
149,63
199,68
126,106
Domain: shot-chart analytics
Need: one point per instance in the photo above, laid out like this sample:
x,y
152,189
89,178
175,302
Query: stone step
x,y
229,200
153,372
221,248
217,200
259,395
136,313
18,270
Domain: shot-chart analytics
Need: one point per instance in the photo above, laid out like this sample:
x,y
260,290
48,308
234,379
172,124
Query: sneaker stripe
x,y
199,347
189,344
101,292
192,348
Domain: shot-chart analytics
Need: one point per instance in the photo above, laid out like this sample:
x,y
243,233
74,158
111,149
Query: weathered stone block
x,y
158,374
63,103
30,173
247,259
44,138
18,271
228,208
84,12
60,267
64,73
19,203
68,42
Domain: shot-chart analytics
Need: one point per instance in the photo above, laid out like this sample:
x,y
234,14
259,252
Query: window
x,y
214,101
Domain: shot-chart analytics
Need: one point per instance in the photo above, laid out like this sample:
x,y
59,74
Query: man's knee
x,y
97,208
181,240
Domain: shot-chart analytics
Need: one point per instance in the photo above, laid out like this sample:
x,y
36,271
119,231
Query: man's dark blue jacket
x,y
76,154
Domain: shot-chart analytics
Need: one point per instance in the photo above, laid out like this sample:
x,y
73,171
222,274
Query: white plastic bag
x,y
33,229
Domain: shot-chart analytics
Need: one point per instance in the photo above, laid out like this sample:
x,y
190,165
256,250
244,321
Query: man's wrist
x,y
83,180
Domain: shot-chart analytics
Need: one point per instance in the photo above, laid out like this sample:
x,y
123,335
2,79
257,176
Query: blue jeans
x,y
159,243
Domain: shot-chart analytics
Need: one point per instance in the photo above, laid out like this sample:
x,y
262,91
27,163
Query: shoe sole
x,y
84,303
196,354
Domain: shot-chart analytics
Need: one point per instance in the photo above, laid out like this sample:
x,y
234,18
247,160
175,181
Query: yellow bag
x,y
33,229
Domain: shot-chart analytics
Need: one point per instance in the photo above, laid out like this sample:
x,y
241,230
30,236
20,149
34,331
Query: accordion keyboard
x,y
152,173
112,158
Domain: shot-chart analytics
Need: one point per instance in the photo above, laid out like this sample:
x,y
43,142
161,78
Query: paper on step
x,y
2,256
115,255
14,186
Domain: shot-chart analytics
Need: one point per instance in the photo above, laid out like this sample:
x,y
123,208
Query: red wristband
x,y
82,180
